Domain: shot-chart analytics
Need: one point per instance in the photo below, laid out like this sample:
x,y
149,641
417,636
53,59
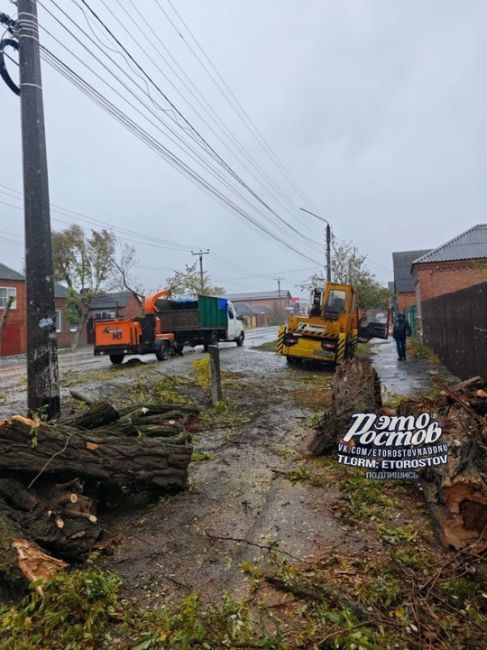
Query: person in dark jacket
x,y
401,330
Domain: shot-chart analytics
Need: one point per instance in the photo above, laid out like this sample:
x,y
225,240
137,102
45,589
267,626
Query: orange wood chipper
x,y
118,337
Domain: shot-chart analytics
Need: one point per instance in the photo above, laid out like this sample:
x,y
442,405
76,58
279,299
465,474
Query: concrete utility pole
x,y
42,360
327,242
281,310
200,254
278,280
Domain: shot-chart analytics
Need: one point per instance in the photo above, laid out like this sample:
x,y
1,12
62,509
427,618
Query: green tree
x,y
349,266
86,264
187,283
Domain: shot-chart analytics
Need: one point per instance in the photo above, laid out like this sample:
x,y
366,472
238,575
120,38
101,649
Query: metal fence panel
x,y
455,327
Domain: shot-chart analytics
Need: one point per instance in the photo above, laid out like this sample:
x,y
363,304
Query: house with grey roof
x,y
457,264
266,307
404,287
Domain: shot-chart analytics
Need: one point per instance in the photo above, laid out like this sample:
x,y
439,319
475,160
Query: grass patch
x,y
418,350
167,389
392,400
403,595
314,398
201,456
303,475
225,414
270,346
83,610
74,611
366,499
362,351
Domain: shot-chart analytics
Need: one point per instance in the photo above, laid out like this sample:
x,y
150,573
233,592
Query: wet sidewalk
x,y
411,377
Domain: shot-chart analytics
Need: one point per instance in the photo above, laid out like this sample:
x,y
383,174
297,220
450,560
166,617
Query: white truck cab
x,y
235,329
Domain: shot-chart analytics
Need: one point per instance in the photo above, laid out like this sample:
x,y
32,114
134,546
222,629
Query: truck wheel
x,y
162,352
291,360
240,339
116,359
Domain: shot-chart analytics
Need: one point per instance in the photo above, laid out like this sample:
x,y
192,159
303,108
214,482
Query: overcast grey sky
x,y
376,109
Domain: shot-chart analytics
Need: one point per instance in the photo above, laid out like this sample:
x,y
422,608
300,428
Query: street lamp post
x,y
328,242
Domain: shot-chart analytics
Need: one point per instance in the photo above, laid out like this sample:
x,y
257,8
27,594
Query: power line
x,y
203,103
201,161
172,159
187,122
163,243
227,93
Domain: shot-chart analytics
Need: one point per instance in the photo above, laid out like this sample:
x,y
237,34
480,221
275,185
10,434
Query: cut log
x,y
456,494
81,397
356,389
60,524
9,566
98,414
64,453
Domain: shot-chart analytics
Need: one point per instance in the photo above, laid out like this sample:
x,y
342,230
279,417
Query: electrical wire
x,y
124,98
163,243
142,134
229,95
198,135
273,189
225,182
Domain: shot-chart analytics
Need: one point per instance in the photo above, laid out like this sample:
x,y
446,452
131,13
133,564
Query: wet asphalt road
x,y
13,374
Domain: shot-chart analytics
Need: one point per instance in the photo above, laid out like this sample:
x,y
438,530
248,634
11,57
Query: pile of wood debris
x,y
54,477
456,494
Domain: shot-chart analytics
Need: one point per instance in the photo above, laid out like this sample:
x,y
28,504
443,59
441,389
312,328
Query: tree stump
x,y
356,389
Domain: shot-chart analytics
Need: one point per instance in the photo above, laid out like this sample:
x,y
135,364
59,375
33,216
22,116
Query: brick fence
x,y
455,327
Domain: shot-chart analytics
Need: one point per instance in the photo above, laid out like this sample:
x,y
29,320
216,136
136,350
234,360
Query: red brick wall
x,y
14,340
131,309
14,335
405,300
436,279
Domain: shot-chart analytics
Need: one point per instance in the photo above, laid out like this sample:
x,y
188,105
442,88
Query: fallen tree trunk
x,y
64,453
457,493
53,475
65,523
356,389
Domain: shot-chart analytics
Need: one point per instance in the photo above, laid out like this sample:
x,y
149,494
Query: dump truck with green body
x,y
204,320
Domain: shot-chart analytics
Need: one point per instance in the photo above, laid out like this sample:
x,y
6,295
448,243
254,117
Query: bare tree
x,y
124,264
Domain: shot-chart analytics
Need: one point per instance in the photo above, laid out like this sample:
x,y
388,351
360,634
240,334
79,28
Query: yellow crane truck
x,y
328,333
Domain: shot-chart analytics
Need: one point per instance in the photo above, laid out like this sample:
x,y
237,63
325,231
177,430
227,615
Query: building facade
x,y
14,337
458,264
120,304
404,286
263,307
